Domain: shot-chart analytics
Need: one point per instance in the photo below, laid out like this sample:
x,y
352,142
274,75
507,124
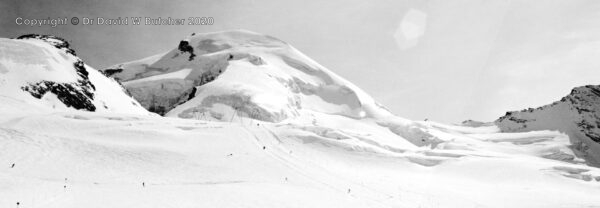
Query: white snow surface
x,y
321,155
100,159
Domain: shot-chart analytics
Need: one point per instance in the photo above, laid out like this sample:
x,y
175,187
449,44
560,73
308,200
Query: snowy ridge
x,y
43,69
577,115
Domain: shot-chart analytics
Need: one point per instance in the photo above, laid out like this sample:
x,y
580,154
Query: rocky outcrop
x,y
44,71
79,94
184,46
577,115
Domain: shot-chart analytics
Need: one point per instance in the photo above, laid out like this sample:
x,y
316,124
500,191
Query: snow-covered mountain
x,y
216,75
290,133
577,115
239,74
42,70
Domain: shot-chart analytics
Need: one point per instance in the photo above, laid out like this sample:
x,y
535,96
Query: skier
x,y
18,204
143,184
12,166
264,147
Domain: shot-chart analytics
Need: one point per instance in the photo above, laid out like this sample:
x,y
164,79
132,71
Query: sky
x,y
442,60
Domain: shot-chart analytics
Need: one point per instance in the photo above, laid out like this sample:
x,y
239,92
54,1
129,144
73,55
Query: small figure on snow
x,y
143,184
18,204
264,147
12,166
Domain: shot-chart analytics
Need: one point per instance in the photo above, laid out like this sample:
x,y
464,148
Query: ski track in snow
x,y
35,147
110,155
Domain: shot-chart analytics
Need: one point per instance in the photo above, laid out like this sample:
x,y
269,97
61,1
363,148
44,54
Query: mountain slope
x,y
577,115
216,75
105,159
43,70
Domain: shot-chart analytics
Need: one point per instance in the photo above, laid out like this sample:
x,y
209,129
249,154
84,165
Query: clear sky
x,y
446,60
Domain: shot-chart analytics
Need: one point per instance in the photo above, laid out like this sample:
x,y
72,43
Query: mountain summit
x,y
240,73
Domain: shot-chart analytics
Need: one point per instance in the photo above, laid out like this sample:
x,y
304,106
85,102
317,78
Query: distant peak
x,y
577,115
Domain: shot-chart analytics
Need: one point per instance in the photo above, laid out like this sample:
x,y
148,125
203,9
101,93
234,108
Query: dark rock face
x,y
79,94
109,72
586,102
184,46
67,93
193,93
577,115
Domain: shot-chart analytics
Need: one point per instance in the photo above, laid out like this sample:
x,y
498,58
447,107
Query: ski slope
x,y
105,158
